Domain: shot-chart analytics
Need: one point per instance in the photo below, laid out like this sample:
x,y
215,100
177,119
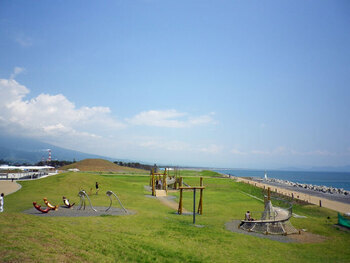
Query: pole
x,y
194,206
153,185
180,203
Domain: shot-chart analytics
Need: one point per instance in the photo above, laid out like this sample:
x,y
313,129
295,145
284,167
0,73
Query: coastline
x,y
336,203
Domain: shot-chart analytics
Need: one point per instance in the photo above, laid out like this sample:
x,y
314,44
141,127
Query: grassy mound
x,y
155,233
100,165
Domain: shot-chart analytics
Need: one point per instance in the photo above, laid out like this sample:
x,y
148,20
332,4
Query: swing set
x,y
193,188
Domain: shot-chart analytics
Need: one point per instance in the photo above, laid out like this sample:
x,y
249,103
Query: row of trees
x,y
135,165
55,163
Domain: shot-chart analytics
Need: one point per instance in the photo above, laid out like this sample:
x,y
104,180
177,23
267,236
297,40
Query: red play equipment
x,y
66,202
38,207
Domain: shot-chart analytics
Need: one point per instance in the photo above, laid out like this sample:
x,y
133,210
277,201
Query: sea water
x,y
334,179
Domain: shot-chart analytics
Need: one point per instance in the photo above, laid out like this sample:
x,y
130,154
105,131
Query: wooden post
x,y
194,205
180,184
200,205
150,178
153,185
180,203
268,194
164,181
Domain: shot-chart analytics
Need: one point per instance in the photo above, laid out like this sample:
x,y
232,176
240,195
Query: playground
x,y
153,231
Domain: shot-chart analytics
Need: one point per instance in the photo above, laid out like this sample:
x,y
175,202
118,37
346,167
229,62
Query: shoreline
x,y
336,203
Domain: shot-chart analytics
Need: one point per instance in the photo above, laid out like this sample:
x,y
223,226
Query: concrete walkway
x,y
8,187
312,199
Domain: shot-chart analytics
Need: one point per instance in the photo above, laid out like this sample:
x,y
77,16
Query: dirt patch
x,y
303,237
306,237
169,202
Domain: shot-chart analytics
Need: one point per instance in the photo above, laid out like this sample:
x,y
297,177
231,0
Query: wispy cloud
x,y
23,40
169,118
284,151
16,71
313,153
211,149
238,152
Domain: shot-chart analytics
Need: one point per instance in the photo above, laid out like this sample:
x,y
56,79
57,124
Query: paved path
x,y
8,187
312,199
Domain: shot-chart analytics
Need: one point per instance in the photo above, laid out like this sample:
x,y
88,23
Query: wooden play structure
x,y
161,182
273,220
47,203
193,188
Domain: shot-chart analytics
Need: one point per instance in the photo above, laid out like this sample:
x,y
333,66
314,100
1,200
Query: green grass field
x,y
155,233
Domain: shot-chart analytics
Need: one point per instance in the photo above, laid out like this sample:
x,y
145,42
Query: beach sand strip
x,y
312,199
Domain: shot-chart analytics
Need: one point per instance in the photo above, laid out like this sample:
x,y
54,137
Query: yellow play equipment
x,y
47,203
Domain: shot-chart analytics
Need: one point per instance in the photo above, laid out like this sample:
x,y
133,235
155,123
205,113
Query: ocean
x,y
334,179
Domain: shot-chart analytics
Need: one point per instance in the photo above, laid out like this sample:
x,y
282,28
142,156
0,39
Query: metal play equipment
x,y
109,194
273,220
82,194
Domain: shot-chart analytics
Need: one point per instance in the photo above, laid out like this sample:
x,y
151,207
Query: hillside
x,y
100,165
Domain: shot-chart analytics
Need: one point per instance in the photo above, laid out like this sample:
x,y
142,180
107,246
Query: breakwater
x,y
317,188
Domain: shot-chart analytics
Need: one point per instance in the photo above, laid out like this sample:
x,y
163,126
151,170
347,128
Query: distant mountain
x,y
345,168
19,149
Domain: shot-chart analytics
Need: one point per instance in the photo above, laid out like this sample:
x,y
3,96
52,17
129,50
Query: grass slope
x,y
100,165
154,233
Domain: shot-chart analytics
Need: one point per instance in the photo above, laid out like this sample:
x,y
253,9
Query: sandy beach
x,y
337,203
8,187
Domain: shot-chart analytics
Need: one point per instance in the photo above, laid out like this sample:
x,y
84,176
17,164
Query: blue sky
x,y
240,84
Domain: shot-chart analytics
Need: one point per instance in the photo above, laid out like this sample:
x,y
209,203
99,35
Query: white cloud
x,y
169,119
284,151
260,152
23,41
162,144
47,115
313,153
212,149
16,71
238,152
